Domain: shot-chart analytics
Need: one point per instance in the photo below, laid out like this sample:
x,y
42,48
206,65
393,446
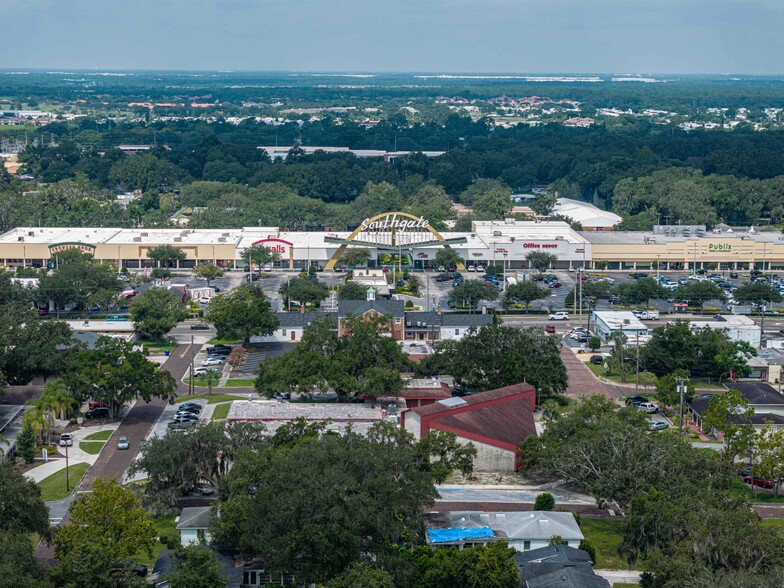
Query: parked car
x,y
189,410
635,400
66,440
95,404
638,275
733,275
614,299
559,316
470,268
441,269
480,268
555,284
204,490
210,361
648,407
658,425
756,481
442,278
459,392
191,405
199,327
218,350
97,413
597,359
117,318
549,328
181,424
182,417
267,267
122,443
458,281
651,315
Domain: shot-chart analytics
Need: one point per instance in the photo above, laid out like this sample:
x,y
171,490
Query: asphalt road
x,y
112,463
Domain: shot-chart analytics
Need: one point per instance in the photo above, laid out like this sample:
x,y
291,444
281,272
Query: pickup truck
x,y
647,315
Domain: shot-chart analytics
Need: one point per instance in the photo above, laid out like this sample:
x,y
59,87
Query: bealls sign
x,y
391,221
277,245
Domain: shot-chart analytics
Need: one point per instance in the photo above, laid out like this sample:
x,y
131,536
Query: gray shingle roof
x,y
392,308
194,517
447,319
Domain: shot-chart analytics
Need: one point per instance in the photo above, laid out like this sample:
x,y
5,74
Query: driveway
x,y
583,382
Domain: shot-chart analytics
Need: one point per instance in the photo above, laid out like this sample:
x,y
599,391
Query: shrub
x,y
544,501
594,343
590,549
409,304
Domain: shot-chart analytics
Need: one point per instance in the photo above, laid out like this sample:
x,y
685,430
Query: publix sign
x,y
719,247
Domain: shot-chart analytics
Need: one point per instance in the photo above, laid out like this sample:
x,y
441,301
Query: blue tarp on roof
x,y
458,534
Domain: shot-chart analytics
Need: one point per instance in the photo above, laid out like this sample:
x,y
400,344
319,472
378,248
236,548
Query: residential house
x,y
371,308
767,402
522,531
291,326
496,422
193,525
558,566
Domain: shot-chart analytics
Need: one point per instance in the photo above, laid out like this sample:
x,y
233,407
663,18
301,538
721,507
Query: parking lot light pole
x,y
67,473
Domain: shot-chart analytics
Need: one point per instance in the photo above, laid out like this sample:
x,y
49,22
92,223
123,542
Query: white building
x,y
589,216
738,327
522,531
605,323
193,525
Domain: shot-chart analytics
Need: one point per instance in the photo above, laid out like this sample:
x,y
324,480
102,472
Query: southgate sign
x,y
392,221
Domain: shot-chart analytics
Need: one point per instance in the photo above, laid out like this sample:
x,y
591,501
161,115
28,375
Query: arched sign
x,y
83,247
392,230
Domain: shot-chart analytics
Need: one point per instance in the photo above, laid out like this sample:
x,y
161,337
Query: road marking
x,y
185,352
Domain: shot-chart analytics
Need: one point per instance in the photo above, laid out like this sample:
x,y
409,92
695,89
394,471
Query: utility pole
x,y
681,391
637,370
67,473
191,382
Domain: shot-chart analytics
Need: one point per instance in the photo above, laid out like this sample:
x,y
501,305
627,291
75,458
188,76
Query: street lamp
x,y
505,254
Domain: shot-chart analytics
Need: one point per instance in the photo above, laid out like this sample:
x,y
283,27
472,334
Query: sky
x,y
516,36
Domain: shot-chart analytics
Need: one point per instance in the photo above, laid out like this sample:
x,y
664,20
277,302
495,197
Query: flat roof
x,y
620,319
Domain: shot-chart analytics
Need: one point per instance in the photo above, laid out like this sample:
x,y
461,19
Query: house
x,y
193,525
236,572
496,422
440,326
393,309
738,328
767,402
558,566
291,326
522,531
606,323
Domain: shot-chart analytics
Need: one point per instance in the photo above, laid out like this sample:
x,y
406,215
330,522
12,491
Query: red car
x,y
761,482
555,284
549,328
94,404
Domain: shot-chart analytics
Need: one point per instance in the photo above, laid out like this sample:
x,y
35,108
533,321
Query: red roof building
x,y
496,422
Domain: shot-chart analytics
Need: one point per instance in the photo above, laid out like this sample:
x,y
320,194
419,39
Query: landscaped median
x,y
94,442
221,411
54,487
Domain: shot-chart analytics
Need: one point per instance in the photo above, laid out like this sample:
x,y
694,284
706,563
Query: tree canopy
x,y
242,313
156,311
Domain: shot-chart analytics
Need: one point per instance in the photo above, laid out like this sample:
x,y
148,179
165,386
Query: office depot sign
x,y
540,245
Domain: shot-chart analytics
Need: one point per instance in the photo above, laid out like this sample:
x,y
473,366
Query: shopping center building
x,y
400,238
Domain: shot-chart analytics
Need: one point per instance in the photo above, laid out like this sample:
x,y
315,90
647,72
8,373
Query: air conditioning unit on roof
x,y
178,239
144,234
137,239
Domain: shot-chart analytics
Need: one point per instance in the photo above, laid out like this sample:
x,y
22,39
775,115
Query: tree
x,y
355,257
21,508
492,205
25,443
362,574
667,388
18,564
472,292
490,566
176,463
541,260
544,501
242,313
156,311
108,527
115,373
303,290
729,414
364,360
75,281
391,476
700,292
749,292
543,204
526,292
768,456
208,271
195,566
496,356
161,273
259,255
594,343
447,257
166,255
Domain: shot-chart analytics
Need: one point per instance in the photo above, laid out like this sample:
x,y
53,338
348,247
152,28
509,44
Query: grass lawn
x,y
241,382
202,381
100,435
158,346
165,527
774,523
216,341
741,489
221,411
214,399
91,447
53,487
605,535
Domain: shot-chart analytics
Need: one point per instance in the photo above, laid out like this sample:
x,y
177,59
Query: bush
x,y
590,549
409,304
25,444
544,501
594,343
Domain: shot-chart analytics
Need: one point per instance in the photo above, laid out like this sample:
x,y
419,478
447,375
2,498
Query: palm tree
x,y
212,376
60,398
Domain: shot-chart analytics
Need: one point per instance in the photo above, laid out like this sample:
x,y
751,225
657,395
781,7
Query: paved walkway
x,y
583,382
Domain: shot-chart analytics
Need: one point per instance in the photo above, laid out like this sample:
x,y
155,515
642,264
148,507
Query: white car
x,y
559,316
267,267
608,280
66,440
211,361
648,407
480,268
471,268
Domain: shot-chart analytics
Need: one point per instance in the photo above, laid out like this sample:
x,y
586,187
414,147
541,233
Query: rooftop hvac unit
x,y
496,233
144,234
221,239
178,239
226,235
137,239
31,233
626,322
184,234
20,238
